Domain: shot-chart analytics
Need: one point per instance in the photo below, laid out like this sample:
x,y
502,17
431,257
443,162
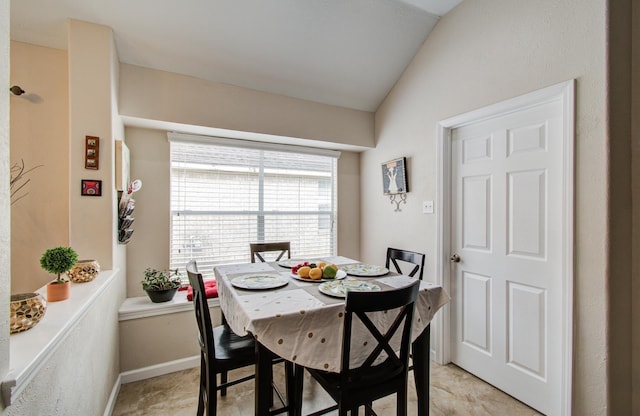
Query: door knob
x,y
454,258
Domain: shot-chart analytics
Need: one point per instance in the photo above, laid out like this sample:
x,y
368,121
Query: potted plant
x,y
58,261
161,285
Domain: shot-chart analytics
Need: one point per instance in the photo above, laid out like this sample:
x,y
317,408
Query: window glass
x,y
225,197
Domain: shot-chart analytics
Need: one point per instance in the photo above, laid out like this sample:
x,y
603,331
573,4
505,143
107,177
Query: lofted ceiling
x,y
347,53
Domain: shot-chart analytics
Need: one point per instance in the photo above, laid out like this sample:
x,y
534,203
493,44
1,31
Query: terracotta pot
x,y
84,271
58,291
27,309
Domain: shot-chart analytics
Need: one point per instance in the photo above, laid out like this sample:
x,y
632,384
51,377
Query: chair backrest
x,y
417,259
201,307
359,303
258,248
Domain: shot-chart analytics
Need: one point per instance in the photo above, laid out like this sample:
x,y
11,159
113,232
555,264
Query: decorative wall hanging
x,y
91,187
122,161
91,152
394,181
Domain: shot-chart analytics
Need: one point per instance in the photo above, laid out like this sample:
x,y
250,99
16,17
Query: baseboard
x,y
159,369
113,397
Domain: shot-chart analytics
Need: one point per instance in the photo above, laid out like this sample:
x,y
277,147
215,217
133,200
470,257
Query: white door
x,y
507,230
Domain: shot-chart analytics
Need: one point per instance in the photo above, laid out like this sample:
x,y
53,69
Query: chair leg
x,y
401,406
202,391
212,393
368,409
223,380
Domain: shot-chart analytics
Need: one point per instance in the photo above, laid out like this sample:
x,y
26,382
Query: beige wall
x,y
159,339
5,225
92,92
39,136
80,374
149,246
483,52
157,95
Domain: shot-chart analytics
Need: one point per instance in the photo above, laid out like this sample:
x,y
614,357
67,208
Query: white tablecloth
x,y
304,326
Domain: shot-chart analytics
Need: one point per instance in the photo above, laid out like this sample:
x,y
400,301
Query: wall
x,y
483,52
92,92
157,95
149,246
176,333
5,226
39,136
80,374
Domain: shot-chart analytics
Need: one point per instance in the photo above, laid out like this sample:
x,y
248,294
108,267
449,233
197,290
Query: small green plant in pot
x,y
161,285
58,261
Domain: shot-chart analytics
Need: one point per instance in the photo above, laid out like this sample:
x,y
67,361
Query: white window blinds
x,y
225,196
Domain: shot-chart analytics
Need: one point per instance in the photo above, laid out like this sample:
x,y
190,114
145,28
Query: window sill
x,y
142,307
29,351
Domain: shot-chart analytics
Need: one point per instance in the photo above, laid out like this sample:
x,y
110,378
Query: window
x,y
227,193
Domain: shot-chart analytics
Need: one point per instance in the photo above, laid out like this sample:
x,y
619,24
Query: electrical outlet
x,y
427,207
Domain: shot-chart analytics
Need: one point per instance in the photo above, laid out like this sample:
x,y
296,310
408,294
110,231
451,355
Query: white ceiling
x,y
348,53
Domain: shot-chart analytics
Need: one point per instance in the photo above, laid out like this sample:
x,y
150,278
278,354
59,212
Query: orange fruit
x,y
304,272
315,273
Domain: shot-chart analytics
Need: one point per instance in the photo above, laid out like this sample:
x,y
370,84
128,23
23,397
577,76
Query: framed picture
x,y
91,152
91,187
394,177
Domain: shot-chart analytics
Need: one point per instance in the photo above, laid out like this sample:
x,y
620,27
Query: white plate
x,y
259,281
340,275
288,263
365,270
339,288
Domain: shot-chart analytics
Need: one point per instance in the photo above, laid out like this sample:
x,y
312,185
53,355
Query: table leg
x,y
264,377
421,359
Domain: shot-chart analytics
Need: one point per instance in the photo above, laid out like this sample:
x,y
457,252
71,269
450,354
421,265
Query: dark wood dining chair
x,y
352,388
258,250
413,258
221,351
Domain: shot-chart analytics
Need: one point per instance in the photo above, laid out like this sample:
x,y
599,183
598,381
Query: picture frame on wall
x,y
92,152
394,177
91,187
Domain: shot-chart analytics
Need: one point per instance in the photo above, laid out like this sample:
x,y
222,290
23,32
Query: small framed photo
x,y
92,152
91,187
394,177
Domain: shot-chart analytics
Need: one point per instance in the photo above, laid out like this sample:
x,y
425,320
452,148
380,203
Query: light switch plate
x,y
427,207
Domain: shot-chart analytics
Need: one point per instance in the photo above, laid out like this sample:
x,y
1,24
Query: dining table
x,y
301,321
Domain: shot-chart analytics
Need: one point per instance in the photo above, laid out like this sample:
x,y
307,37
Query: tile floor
x,y
453,392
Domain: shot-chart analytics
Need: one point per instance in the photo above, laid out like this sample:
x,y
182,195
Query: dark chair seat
x,y
232,349
363,379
